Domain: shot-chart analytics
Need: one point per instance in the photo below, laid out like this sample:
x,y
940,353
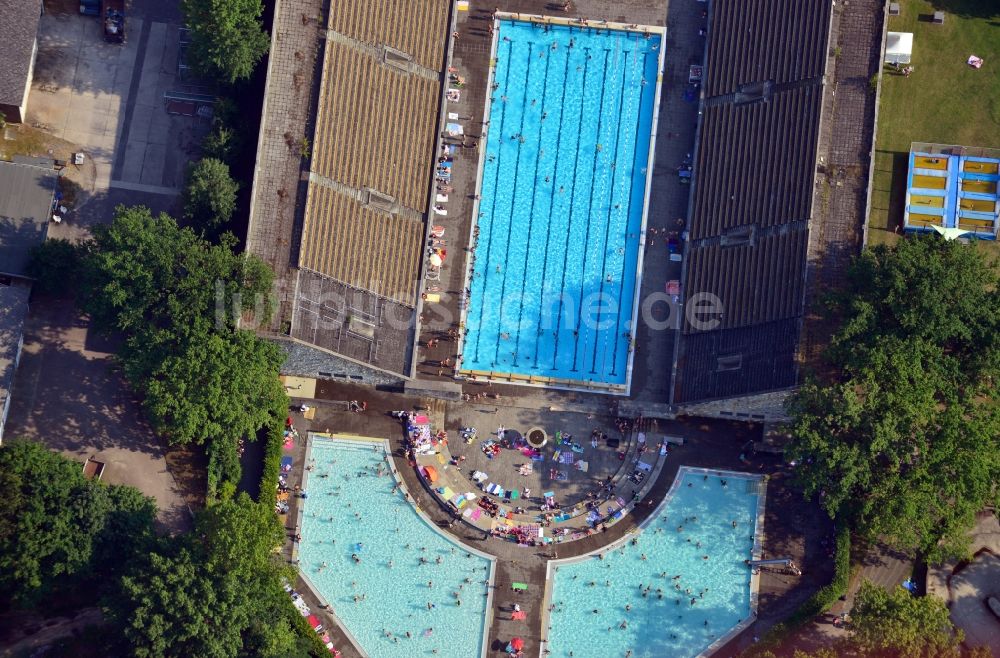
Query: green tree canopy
x,y
904,441
223,143
898,624
144,272
216,592
57,527
217,387
172,294
209,195
227,37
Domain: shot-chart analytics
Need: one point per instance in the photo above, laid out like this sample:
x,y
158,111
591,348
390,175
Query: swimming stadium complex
x,y
533,237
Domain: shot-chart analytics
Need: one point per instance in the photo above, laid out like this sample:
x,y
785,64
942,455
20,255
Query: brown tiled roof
x,y
415,27
375,126
362,247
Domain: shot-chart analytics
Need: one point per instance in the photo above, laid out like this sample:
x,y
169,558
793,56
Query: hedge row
x,y
224,470
274,436
821,601
817,604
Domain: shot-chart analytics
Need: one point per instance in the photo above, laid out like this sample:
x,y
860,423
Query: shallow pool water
x,y
674,590
407,574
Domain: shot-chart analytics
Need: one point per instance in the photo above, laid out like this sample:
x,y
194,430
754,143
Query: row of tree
x,y
175,299
899,437
216,591
902,440
891,624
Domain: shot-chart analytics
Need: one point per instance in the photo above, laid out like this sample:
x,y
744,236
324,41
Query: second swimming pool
x,y
398,585
562,202
676,589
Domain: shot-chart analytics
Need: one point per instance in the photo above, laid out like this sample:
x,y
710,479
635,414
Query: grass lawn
x,y
944,101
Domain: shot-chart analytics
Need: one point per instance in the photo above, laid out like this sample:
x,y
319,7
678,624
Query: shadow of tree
x,y
968,8
70,395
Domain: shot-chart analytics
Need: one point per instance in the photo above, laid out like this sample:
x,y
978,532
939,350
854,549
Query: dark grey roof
x,y
25,202
18,29
736,362
752,203
757,282
756,161
13,310
765,40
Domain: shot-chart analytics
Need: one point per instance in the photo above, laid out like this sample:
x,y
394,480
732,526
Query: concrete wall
x,y
17,113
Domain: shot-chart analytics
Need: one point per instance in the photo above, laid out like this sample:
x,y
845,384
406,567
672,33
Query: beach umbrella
x,y
517,644
431,473
436,260
950,233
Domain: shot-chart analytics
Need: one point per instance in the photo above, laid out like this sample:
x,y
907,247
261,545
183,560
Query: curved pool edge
x,y
553,565
408,497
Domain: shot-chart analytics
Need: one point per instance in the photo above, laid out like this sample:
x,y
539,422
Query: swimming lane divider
x,y
632,330
513,198
569,225
552,195
590,208
531,216
607,224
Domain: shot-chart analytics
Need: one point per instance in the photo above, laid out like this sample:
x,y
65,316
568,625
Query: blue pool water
x,y
562,197
344,483
669,626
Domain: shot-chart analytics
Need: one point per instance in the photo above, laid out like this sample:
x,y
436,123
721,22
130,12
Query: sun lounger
x,y
519,587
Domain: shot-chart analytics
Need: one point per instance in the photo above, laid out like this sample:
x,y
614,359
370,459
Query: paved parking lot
x,y
108,99
69,396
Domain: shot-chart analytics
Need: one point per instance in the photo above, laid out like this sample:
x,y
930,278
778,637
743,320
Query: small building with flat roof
x,y
26,193
14,295
19,36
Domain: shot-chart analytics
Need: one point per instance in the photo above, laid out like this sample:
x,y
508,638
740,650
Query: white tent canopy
x,y
898,47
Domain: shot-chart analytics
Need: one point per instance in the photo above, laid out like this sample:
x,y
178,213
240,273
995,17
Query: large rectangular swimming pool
x,y
562,203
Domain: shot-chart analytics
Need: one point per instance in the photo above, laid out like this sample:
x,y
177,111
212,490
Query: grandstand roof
x,y
365,248
748,227
755,162
757,282
735,362
375,125
778,40
414,27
